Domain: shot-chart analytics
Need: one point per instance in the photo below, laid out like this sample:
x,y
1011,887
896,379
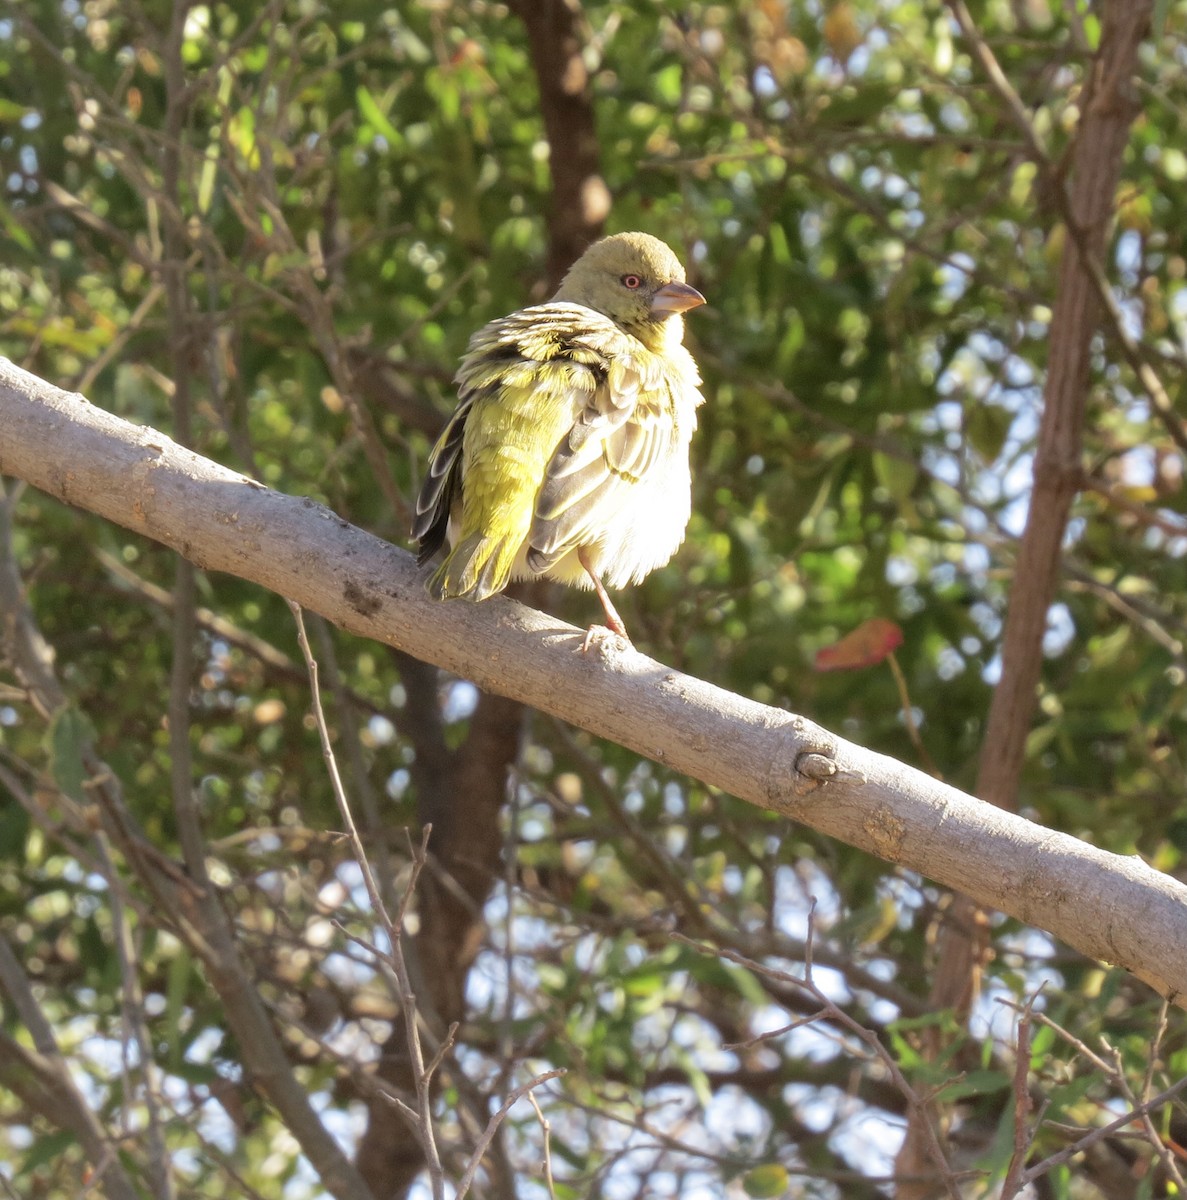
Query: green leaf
x,y
780,248
15,230
767,1181
241,133
376,117
1040,1046
987,427
896,475
206,179
14,828
45,1149
789,344
668,83
70,735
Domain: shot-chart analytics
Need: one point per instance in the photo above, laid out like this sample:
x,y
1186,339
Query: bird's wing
x,y
436,496
521,381
622,432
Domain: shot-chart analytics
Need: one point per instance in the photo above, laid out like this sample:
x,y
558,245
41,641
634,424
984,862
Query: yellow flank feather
x,y
510,435
567,456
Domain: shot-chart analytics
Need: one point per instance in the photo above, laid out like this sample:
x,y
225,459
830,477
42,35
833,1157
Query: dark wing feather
x,y
440,487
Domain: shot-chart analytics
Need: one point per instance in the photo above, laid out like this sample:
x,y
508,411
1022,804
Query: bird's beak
x,y
675,298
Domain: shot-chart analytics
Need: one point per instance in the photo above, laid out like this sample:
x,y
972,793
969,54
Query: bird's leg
x,y
613,621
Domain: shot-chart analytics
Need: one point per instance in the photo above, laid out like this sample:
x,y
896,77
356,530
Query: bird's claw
x,y
600,632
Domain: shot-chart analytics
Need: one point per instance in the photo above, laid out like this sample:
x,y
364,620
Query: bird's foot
x,y
614,623
598,633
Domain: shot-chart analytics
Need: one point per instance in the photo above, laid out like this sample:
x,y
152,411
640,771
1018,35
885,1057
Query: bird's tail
x,y
477,567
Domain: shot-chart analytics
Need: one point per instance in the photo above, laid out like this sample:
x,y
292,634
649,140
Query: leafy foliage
x,y
271,229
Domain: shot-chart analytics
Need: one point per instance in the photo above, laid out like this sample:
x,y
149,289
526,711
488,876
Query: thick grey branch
x,y
1109,907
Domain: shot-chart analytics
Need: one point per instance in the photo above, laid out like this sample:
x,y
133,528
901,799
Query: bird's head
x,y
636,281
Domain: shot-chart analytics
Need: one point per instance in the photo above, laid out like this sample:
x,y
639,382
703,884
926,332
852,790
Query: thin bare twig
x,y
829,1009
1109,1066
323,729
1153,1137
1078,1044
546,1130
1105,1131
361,780
496,1120
422,1076
900,682
1012,1183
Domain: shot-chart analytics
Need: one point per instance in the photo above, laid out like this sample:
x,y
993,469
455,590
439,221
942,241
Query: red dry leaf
x,y
865,646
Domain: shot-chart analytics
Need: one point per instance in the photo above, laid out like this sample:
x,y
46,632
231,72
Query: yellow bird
x,y
567,456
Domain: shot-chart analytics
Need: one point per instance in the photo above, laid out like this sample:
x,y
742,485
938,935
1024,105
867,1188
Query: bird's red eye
x,y
632,281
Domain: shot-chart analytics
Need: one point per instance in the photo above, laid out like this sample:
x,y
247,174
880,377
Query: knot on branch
x,y
814,767
798,771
